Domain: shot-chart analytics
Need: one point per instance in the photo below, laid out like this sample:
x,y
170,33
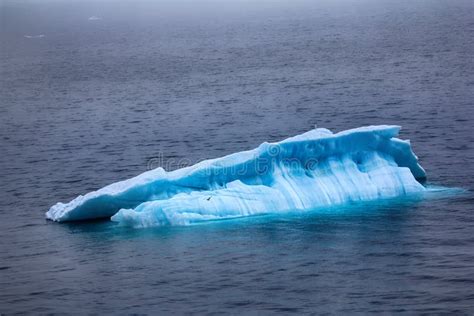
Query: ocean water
x,y
148,84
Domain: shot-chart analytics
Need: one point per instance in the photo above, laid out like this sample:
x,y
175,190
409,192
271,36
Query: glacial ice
x,y
312,170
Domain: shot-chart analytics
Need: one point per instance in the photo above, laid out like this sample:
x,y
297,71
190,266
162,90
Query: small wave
x,y
95,18
436,191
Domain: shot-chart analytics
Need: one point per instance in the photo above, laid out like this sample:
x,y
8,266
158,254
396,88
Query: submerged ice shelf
x,y
308,171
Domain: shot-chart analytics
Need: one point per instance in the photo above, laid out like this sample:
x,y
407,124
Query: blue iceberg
x,y
312,170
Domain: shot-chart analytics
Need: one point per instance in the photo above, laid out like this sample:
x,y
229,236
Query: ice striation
x,y
312,170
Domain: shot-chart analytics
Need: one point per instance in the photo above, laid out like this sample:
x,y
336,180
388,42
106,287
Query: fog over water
x,y
92,92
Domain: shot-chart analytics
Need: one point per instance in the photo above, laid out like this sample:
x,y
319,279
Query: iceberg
x,y
34,36
316,169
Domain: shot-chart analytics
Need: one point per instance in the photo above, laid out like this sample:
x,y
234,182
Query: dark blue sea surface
x,y
148,84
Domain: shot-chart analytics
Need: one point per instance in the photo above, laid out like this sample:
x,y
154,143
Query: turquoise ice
x,y
312,170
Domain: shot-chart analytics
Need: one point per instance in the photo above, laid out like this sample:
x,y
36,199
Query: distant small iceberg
x,y
312,170
94,18
35,36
